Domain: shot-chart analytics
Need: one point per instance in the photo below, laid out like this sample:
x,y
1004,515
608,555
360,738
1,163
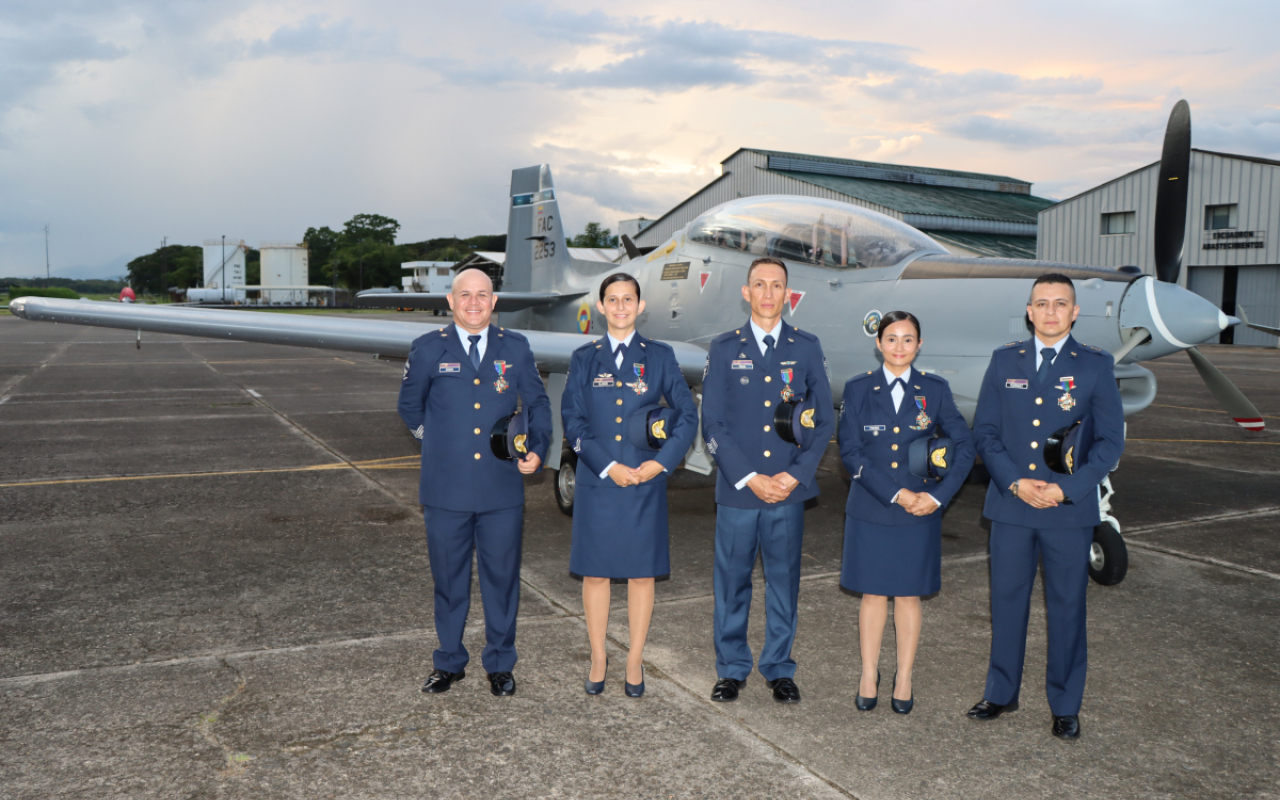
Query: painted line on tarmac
x,y
1215,562
1201,441
1207,410
1161,527
398,462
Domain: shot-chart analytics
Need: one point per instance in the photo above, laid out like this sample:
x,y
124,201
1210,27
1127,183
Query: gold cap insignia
x,y
659,429
1069,458
520,443
806,418
939,458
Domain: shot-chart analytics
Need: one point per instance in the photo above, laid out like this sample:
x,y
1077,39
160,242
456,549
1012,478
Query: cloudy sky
x,y
125,122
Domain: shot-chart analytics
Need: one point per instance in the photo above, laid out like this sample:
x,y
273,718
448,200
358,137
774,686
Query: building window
x,y
1217,218
1119,222
443,272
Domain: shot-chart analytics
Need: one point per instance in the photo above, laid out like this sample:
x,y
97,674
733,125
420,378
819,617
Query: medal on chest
x,y
1066,402
639,386
501,383
922,419
787,394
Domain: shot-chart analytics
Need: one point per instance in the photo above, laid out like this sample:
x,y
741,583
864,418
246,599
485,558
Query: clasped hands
x,y
529,464
773,489
1040,494
917,503
632,476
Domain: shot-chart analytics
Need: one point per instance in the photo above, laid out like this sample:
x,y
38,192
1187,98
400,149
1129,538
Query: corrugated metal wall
x,y
1207,282
1255,187
1258,291
1072,230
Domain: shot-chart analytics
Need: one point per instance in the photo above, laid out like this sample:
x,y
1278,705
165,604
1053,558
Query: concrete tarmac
x,y
215,584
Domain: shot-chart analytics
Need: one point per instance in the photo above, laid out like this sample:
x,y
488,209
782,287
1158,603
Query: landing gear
x,y
566,480
1108,556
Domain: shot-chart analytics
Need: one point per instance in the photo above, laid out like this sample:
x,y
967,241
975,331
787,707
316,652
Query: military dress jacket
x,y
875,442
452,407
599,399
1015,416
740,393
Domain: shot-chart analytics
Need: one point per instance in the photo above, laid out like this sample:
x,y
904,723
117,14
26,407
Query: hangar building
x,y
969,213
1228,257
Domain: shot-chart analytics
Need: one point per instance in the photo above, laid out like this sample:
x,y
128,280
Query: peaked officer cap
x,y
1067,449
509,439
793,420
931,457
649,427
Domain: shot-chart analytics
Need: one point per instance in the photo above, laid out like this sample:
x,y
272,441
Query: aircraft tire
x,y
566,480
1108,556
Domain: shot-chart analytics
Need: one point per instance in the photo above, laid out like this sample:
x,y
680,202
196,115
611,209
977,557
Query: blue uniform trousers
x,y
742,533
495,538
1015,551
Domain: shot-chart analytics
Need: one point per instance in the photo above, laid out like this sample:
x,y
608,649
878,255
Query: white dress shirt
x,y
482,344
1057,349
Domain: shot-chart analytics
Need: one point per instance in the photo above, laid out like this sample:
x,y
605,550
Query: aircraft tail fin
x,y
536,249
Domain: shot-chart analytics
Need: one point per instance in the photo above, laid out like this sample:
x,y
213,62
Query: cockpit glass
x,y
810,230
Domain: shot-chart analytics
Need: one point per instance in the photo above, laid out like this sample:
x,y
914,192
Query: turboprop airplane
x,y
848,265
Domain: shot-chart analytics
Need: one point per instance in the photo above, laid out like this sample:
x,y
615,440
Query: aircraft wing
x,y
377,336
437,301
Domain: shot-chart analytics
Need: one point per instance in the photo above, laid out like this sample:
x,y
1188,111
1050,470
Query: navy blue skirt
x,y
892,560
621,532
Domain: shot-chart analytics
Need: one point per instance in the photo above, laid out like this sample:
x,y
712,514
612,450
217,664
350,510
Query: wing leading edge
x,y
438,301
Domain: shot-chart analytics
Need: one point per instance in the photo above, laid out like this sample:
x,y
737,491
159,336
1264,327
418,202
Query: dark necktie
x,y
619,354
475,351
768,348
1046,361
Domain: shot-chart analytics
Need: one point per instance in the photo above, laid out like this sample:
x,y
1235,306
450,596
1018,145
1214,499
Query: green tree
x,y
594,235
174,265
321,244
370,227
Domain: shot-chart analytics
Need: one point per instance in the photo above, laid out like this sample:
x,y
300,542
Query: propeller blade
x,y
1228,396
1244,317
1171,194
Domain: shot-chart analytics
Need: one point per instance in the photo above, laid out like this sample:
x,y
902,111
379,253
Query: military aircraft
x,y
848,265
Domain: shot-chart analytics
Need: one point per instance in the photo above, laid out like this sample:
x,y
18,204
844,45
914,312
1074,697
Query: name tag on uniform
x,y
1016,383
745,363
602,381
450,367
875,429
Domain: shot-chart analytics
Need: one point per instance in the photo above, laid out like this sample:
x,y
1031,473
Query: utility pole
x,y
47,274
164,269
224,268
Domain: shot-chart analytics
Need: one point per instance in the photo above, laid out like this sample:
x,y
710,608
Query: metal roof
x,y
942,201
994,245
947,173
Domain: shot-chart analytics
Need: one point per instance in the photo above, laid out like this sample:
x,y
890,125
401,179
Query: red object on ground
x,y
127,295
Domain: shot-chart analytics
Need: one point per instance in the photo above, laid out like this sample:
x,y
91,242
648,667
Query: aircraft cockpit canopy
x,y
810,230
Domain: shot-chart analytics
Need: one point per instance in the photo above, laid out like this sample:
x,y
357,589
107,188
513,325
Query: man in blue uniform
x,y
763,480
1031,390
458,382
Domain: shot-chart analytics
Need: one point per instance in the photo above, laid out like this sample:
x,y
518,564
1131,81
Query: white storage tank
x,y
223,269
284,265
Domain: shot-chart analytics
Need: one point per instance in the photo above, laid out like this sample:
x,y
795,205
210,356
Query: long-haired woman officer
x,y
627,445
893,522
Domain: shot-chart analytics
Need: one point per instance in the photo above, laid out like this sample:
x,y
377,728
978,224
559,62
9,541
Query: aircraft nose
x,y
18,307
1176,318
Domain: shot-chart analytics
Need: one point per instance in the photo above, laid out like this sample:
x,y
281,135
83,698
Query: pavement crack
x,y
206,726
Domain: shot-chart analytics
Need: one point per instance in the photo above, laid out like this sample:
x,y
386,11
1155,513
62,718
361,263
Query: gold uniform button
x,y
766,453
619,384
617,419
893,447
477,381
619,401
766,428
767,403
617,438
895,429
477,431
477,456
1035,422
894,465
477,405
768,378
1039,400
1034,445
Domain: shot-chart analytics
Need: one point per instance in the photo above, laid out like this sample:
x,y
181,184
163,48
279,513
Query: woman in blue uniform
x,y
893,522
620,502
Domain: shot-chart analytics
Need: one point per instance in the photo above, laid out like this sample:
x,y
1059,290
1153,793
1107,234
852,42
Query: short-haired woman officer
x,y
893,520
620,501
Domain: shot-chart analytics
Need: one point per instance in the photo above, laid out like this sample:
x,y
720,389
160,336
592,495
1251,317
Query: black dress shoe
x,y
440,680
634,689
1067,727
989,710
785,690
726,690
901,706
867,703
502,684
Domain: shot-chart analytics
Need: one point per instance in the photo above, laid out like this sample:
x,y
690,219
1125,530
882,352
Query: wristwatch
x,y
1013,488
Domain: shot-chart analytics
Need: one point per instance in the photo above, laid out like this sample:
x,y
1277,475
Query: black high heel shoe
x,y
634,689
868,703
901,706
596,687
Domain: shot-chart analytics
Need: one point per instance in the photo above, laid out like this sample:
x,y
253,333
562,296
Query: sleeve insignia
x,y
418,431
712,446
